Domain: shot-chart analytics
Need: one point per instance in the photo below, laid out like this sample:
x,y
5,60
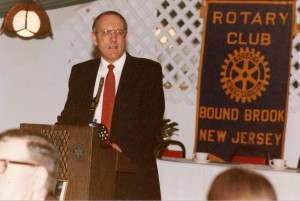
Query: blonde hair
x,y
241,184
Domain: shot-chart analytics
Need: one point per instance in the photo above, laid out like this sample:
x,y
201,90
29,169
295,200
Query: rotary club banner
x,y
244,76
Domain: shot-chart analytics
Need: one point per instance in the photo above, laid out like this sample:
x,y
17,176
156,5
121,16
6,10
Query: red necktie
x,y
108,98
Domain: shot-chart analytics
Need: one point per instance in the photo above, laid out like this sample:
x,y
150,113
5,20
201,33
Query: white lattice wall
x,y
294,98
140,16
168,31
178,37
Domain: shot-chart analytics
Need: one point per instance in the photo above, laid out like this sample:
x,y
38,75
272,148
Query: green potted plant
x,y
169,129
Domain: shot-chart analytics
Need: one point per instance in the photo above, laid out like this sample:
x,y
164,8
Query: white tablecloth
x,y
183,179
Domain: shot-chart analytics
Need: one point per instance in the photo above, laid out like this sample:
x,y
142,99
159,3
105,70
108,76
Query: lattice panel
x,y
140,16
60,138
178,37
294,98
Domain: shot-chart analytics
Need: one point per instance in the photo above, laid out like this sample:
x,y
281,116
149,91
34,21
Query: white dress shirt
x,y
102,72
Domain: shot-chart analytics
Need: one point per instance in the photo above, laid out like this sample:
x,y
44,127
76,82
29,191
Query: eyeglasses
x,y
4,164
106,33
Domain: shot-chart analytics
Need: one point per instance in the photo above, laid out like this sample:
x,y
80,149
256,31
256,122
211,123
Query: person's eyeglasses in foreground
x,y
5,163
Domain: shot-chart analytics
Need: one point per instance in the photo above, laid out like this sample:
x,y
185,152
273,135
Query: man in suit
x,y
138,104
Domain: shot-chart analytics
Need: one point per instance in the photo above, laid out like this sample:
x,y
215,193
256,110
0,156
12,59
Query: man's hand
x,y
116,147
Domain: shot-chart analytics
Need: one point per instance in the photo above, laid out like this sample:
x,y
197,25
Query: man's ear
x,y
94,38
40,186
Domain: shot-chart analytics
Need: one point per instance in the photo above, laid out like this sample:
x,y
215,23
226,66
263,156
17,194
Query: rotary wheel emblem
x,y
245,75
78,152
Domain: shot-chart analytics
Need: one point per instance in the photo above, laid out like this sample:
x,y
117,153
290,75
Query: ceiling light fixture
x,y
28,20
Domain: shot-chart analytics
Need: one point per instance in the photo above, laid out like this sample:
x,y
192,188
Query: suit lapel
x,y
92,75
127,93
87,88
128,80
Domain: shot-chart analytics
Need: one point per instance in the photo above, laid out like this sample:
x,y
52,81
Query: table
x,y
184,179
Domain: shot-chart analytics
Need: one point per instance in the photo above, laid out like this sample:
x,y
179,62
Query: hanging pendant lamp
x,y
27,20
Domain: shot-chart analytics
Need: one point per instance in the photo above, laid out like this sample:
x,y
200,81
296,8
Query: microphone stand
x,y
101,129
95,101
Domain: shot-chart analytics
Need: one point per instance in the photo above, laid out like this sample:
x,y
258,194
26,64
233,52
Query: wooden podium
x,y
89,166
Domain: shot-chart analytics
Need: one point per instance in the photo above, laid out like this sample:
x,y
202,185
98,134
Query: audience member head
x,y
241,184
28,166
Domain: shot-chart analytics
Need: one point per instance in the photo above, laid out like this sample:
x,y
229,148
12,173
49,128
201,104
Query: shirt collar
x,y
118,64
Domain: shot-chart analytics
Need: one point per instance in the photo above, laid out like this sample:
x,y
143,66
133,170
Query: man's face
x,y
16,181
111,46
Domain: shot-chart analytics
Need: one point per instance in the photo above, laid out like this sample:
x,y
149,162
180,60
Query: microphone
x,y
99,90
96,99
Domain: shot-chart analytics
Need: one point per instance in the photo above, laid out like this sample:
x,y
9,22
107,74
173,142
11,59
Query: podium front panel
x,y
89,167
